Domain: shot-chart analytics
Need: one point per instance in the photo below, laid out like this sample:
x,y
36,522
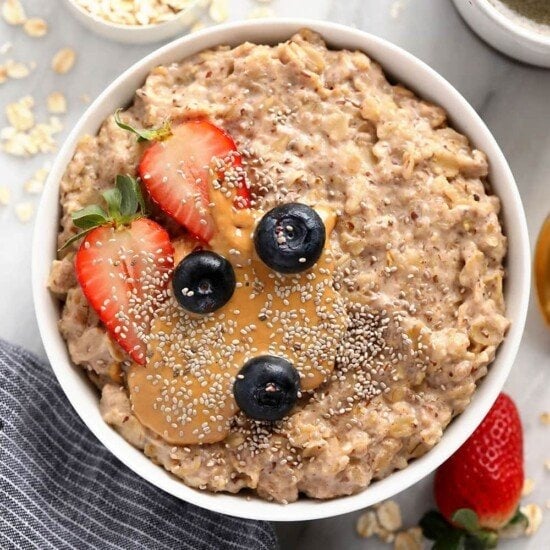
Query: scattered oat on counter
x,y
35,184
56,103
20,115
545,418
260,12
13,12
24,211
85,98
39,139
389,515
219,11
5,47
17,69
35,27
386,536
547,464
533,512
385,521
367,524
411,539
528,486
135,13
5,195
63,61
23,137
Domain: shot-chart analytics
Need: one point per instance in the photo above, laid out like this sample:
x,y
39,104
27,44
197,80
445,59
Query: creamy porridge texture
x,y
414,272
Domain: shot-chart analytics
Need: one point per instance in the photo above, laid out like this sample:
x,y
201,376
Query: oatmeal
x,y
387,333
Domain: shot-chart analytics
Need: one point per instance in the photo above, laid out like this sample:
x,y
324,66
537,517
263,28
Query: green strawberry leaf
x,y
152,134
113,198
472,542
466,518
434,526
455,541
519,518
465,534
125,203
131,197
516,527
469,521
127,187
90,217
75,238
487,538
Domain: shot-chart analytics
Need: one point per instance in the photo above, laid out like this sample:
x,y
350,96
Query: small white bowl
x,y
404,68
504,33
139,34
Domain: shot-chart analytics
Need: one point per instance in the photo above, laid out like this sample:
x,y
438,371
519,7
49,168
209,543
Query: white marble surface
x,y
513,99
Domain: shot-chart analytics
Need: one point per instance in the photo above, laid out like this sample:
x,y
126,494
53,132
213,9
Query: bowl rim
x,y
135,28
74,381
508,24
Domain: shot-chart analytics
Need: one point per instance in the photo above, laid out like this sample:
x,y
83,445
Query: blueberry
x,y
203,282
290,238
267,387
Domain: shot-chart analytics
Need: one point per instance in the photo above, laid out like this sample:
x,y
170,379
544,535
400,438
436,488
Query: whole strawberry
x,y
479,487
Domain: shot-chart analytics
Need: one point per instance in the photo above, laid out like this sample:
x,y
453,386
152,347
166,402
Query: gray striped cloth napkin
x,y
61,489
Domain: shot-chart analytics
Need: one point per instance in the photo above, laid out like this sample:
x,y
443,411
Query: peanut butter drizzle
x,y
185,391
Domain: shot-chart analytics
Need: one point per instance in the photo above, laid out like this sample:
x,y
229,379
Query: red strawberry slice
x,y
486,474
124,272
175,172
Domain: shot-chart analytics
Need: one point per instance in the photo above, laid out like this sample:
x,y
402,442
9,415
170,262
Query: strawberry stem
x,y
152,134
465,534
468,520
125,204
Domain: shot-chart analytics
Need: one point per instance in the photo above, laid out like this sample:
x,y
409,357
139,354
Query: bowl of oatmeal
x,y
369,269
137,22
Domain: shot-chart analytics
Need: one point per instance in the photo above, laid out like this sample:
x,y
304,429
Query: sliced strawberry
x,y
124,272
175,172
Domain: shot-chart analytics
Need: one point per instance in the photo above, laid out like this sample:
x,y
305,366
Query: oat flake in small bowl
x,y
133,12
137,21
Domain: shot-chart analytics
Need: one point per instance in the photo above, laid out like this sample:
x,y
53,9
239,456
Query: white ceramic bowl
x,y
139,34
403,67
504,33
